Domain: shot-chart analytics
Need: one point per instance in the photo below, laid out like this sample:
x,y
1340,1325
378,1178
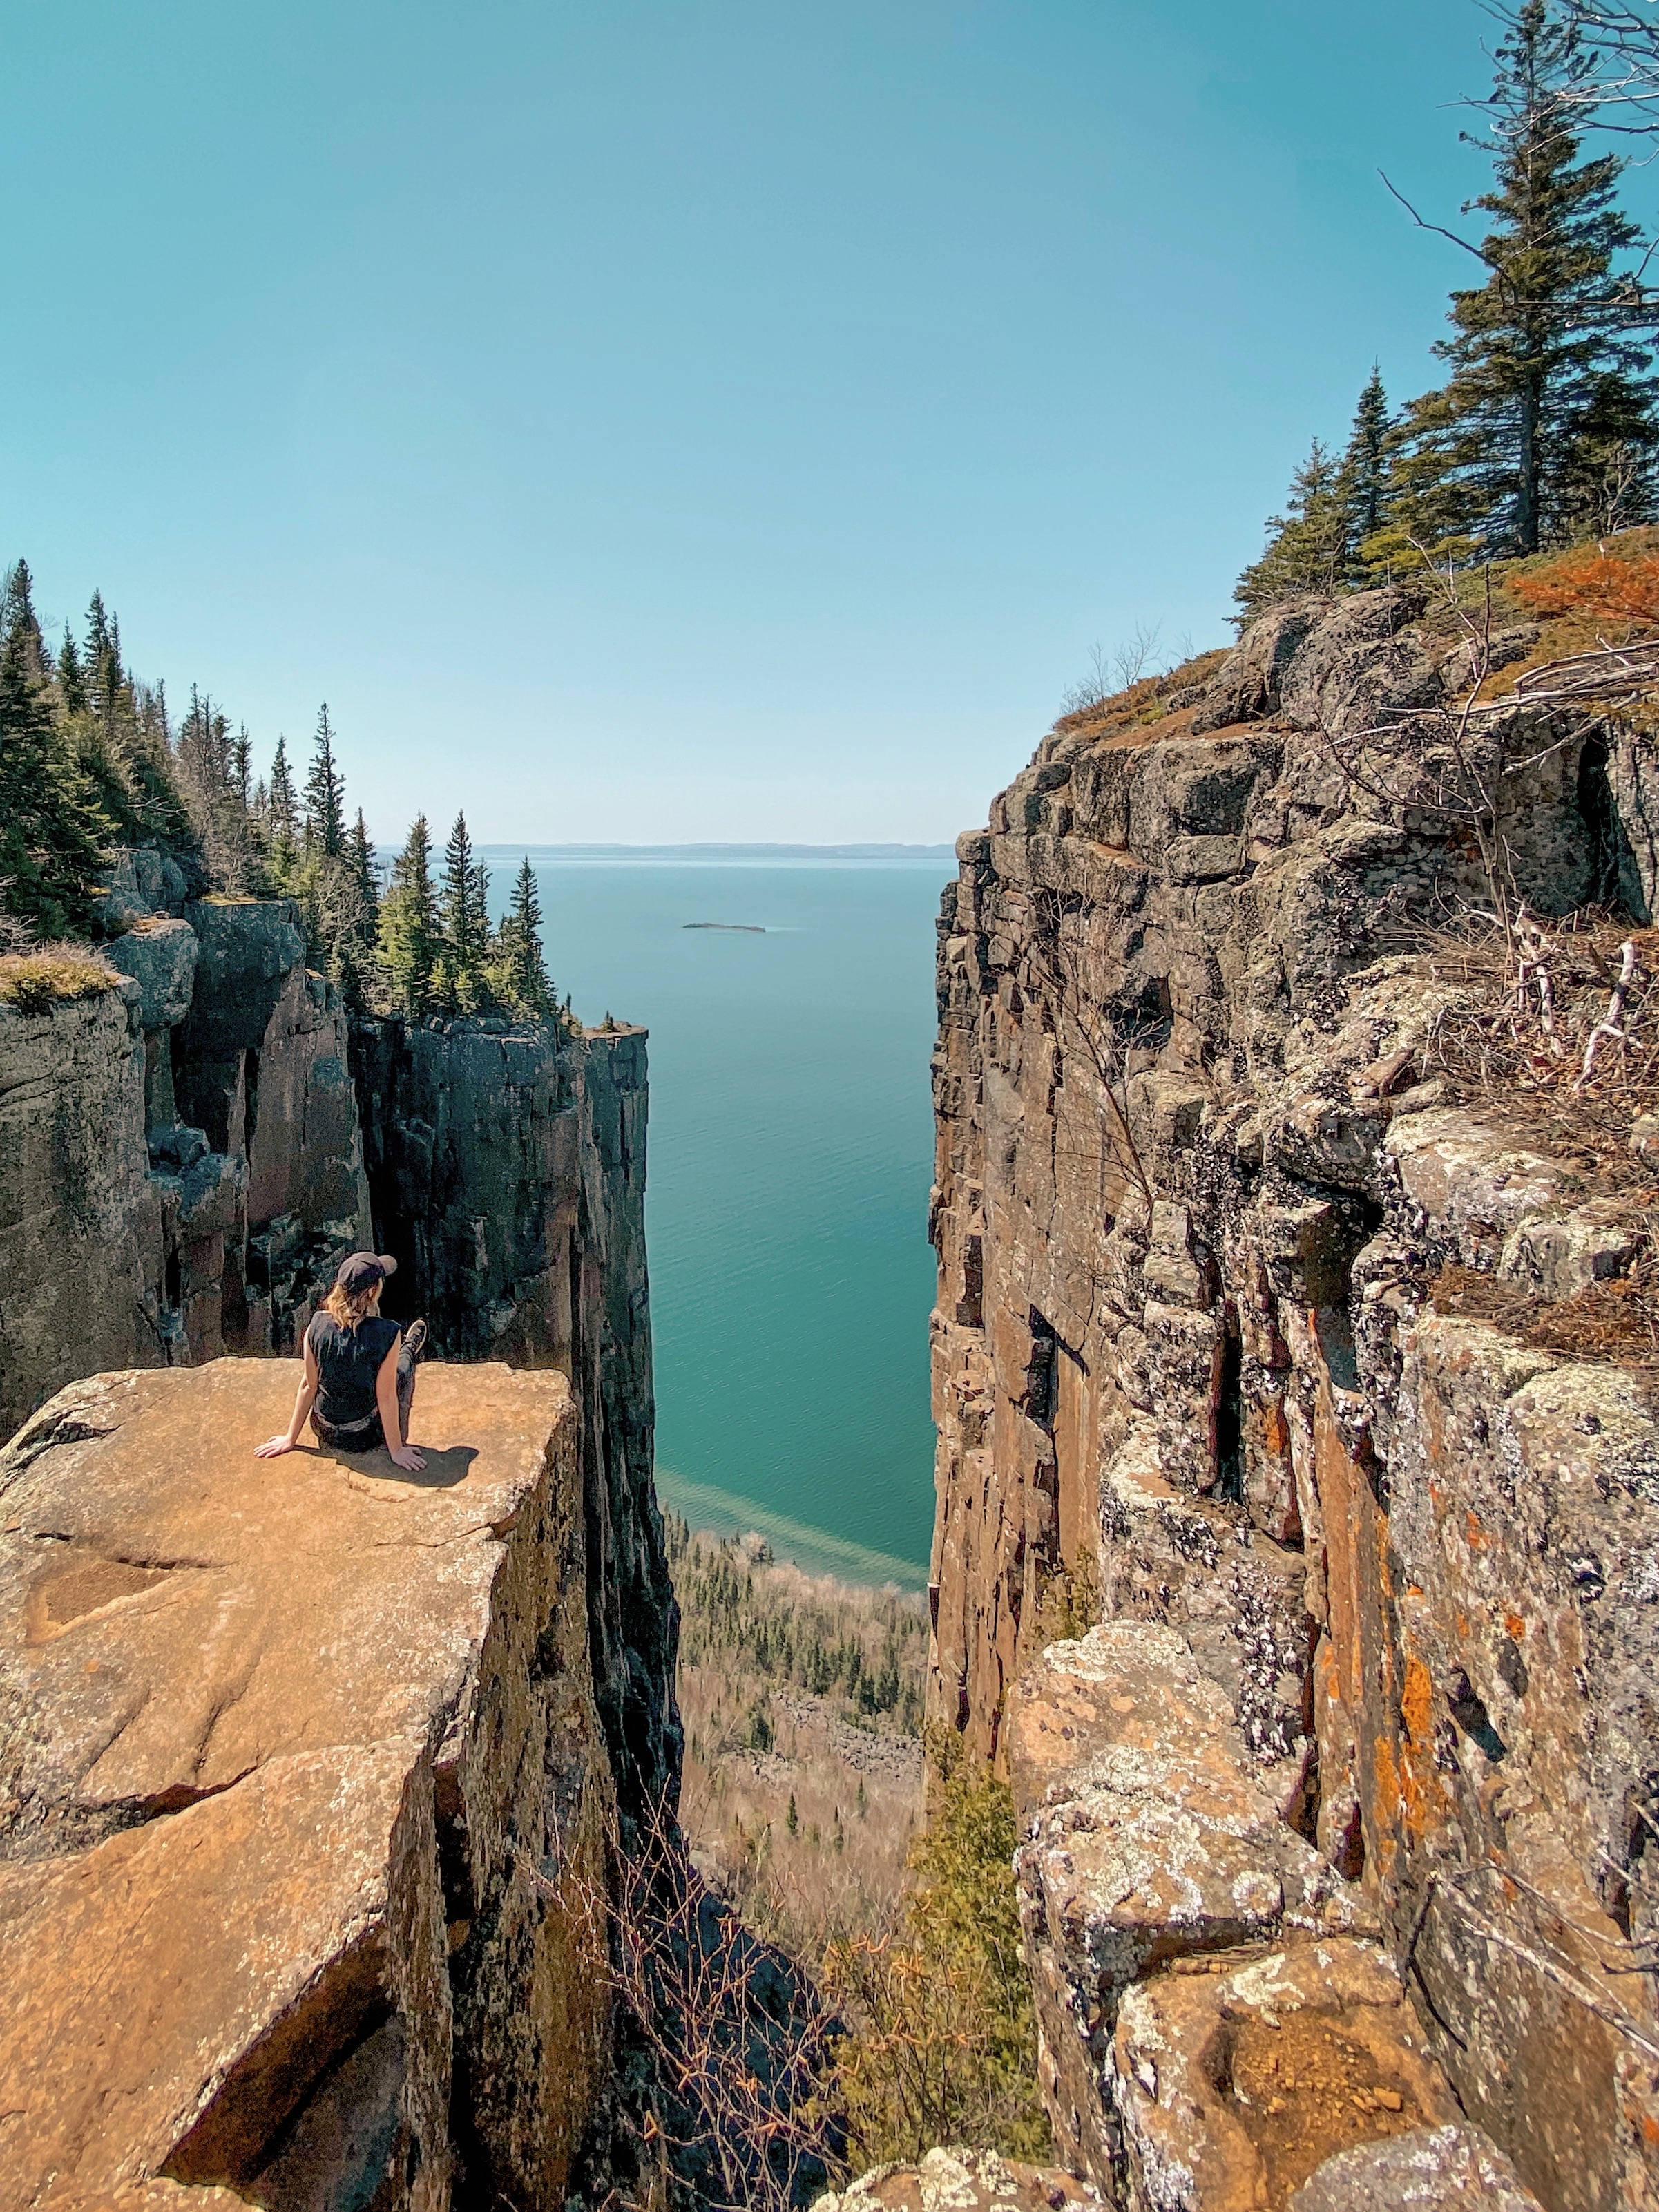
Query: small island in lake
x,y
745,928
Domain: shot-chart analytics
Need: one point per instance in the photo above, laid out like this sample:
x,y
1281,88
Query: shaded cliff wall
x,y
1376,1583
295,1774
507,1171
183,1168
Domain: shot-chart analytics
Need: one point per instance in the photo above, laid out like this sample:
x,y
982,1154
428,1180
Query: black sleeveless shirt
x,y
348,1361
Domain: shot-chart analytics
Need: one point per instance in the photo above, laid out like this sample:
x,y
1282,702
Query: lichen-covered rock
x,y
961,2179
160,957
1147,1835
1235,2077
1426,2170
296,1753
1196,1173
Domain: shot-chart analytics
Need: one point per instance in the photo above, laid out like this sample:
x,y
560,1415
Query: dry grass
x,y
781,1719
48,975
1144,703
1616,1321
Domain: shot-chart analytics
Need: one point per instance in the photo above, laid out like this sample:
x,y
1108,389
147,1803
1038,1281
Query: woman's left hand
x,y
273,1448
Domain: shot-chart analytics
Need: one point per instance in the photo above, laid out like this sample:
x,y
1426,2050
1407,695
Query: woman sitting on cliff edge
x,y
359,1381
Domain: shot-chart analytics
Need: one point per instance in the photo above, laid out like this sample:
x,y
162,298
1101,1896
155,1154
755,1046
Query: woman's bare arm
x,y
385,1397
304,1399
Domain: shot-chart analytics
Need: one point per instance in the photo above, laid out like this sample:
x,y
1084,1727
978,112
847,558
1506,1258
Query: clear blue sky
x,y
667,419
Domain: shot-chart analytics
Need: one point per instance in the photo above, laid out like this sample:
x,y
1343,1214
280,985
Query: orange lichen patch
x,y
1275,1429
1417,1701
1474,1534
1514,1625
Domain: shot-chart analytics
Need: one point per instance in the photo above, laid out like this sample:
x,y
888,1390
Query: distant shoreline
x,y
713,851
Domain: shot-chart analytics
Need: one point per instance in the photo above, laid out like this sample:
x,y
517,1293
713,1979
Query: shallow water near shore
x,y
789,1157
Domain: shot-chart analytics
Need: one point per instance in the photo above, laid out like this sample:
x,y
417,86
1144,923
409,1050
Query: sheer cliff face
x,y
1377,1643
507,1175
190,1155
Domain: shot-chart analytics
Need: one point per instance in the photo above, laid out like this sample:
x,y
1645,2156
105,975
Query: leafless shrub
x,y
739,2042
1110,674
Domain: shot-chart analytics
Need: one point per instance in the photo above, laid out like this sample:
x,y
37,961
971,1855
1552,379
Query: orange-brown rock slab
x,y
296,1750
1237,2077
1147,1836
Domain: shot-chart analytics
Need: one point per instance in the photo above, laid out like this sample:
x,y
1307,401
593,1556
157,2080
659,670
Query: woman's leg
x,y
405,1394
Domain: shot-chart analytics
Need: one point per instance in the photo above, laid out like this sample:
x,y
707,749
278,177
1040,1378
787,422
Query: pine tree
x,y
101,661
71,683
52,835
465,920
409,937
518,973
18,619
1545,429
360,855
282,816
1365,487
1308,545
325,829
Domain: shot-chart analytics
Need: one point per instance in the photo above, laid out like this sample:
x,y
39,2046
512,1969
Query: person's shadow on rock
x,y
442,1471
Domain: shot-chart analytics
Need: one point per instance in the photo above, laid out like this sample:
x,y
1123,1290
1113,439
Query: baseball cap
x,y
364,1270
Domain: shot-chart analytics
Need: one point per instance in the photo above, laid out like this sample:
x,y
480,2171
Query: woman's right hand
x,y
273,1448
405,1456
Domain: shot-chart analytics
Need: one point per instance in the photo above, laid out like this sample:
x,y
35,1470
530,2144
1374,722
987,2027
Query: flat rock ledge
x,y
961,2179
293,1756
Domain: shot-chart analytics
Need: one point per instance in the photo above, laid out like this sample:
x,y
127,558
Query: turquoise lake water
x,y
789,1158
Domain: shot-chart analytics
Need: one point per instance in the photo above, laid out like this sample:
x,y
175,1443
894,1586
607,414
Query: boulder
x,y
300,1752
960,2180
1423,2170
1236,2078
160,956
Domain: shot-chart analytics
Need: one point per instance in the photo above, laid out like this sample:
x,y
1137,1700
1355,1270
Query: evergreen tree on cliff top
x,y
1365,465
1307,546
464,919
410,939
326,827
281,817
1546,430
518,971
53,834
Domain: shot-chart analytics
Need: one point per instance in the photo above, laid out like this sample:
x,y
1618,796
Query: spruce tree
x,y
409,936
71,683
1546,429
1308,545
1365,487
52,835
464,918
519,970
325,829
282,815
360,854
18,619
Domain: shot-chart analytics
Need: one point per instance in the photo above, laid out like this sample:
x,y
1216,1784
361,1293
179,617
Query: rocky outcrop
x,y
190,1154
298,1754
1376,1581
185,1168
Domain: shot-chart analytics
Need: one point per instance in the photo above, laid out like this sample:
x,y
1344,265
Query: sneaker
x,y
414,1340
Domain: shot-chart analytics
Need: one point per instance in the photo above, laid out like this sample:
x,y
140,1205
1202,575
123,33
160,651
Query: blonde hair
x,y
350,1307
